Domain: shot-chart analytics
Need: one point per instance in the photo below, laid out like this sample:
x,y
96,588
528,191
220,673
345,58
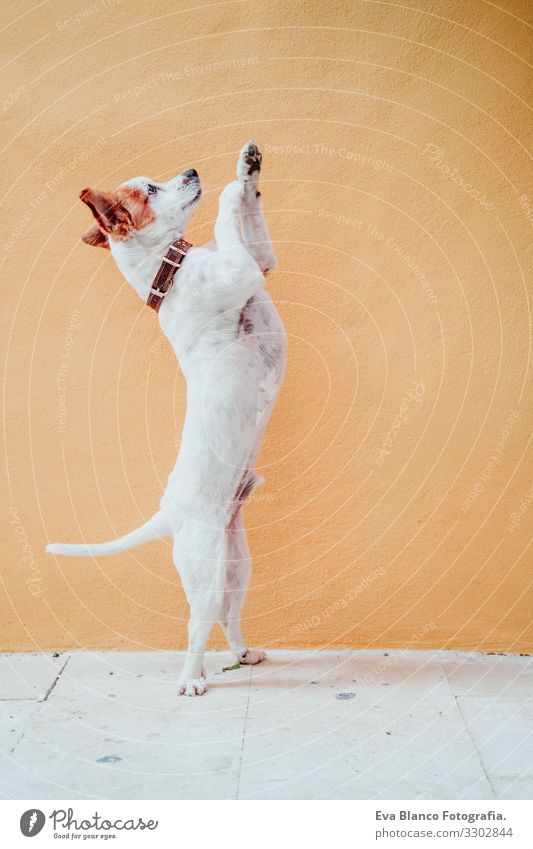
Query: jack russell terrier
x,y
231,346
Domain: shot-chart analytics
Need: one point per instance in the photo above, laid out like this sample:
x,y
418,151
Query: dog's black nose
x,y
191,173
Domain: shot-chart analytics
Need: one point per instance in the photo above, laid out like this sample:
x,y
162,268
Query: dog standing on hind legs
x,y
230,343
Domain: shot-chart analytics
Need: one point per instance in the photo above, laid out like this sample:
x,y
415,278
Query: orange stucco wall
x,y
397,506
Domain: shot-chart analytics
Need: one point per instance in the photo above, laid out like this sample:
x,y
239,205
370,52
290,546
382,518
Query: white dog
x,y
231,346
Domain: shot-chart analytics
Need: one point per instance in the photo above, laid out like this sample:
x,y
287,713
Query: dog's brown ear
x,y
111,216
94,236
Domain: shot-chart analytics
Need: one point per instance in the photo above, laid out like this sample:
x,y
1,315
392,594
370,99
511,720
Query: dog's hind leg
x,y
199,556
237,578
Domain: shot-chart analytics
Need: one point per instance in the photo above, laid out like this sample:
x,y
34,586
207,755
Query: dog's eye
x,y
152,190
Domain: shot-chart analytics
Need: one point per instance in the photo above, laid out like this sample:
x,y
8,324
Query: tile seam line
x,y
37,708
54,682
245,725
487,776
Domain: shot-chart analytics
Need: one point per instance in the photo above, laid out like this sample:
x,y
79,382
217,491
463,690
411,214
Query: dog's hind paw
x,y
252,656
249,163
192,687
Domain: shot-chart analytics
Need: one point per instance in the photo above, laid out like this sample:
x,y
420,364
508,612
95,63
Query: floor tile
x,y
14,716
340,738
502,730
28,676
113,725
488,675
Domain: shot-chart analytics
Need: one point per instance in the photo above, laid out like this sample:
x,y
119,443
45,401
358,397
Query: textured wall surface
x,y
397,509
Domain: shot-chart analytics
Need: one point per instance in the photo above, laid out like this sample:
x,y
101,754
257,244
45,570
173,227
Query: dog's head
x,y
142,208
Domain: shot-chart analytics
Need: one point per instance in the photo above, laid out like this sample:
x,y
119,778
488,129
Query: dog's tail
x,y
155,528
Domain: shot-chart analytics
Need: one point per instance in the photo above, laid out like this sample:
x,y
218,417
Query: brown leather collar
x,y
164,279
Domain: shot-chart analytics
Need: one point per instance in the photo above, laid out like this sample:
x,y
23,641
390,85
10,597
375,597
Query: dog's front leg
x,y
234,274
228,222
255,231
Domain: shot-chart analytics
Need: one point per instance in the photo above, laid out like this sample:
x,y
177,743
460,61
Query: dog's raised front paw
x,y
252,656
249,163
192,687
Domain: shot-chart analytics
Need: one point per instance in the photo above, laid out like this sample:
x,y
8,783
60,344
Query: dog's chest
x,y
259,329
245,345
